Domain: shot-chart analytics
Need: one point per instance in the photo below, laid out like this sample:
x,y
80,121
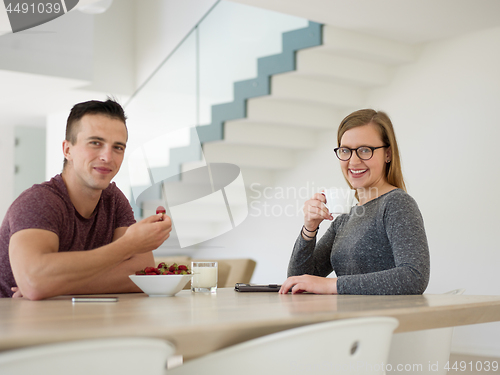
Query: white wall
x,y
55,134
445,111
161,25
114,49
445,108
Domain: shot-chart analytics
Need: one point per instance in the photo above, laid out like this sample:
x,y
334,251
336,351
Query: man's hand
x,y
309,283
148,234
17,292
41,271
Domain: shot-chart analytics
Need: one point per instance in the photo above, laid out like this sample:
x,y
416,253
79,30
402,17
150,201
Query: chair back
x,y
348,346
424,352
230,272
90,357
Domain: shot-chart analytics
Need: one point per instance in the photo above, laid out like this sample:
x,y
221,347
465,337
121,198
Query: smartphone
x,y
95,299
240,287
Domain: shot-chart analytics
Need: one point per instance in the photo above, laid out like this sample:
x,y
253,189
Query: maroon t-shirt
x,y
48,206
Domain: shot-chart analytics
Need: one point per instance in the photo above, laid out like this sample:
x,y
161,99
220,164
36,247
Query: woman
x,y
380,247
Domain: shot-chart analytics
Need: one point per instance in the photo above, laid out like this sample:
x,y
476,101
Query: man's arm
x,y
117,280
42,272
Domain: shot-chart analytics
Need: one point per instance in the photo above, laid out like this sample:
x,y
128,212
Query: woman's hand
x,y
315,212
309,283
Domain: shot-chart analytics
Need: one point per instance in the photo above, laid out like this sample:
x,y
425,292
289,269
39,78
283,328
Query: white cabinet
x,y
29,157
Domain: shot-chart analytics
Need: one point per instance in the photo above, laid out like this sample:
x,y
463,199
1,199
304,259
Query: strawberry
x,y
161,210
164,269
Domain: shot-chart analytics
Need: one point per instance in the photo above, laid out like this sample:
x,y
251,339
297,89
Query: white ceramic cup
x,y
204,277
338,200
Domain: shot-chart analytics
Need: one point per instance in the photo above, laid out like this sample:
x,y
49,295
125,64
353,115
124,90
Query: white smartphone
x,y
95,299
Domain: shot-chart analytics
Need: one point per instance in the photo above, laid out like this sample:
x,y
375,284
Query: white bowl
x,y
160,285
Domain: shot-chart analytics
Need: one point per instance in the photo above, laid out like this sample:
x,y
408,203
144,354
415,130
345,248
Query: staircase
x,y
330,81
264,127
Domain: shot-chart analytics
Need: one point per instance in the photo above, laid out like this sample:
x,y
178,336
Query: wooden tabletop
x,y
200,323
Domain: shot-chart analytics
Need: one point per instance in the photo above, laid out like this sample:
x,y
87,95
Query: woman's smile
x,y
357,173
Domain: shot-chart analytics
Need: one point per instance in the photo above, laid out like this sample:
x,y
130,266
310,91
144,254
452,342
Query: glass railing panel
x,y
231,39
174,109
223,49
161,115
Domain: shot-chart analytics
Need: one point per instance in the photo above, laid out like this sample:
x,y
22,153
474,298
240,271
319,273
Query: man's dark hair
x,y
108,108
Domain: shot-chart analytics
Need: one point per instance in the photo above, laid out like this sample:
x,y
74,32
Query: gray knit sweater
x,y
378,248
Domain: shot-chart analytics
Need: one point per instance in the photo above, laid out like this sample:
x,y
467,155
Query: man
x,y
76,233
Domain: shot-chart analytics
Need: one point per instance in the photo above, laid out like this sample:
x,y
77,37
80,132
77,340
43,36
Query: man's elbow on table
x,y
33,283
34,289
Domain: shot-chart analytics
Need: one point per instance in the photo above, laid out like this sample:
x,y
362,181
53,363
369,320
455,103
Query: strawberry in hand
x,y
161,210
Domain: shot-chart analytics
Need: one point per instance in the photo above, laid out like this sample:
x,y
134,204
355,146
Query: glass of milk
x,y
204,277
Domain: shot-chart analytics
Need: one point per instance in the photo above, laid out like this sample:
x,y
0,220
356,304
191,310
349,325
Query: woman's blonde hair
x,y
393,173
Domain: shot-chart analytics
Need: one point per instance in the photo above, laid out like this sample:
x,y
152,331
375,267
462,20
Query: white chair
x,y
349,346
424,352
89,357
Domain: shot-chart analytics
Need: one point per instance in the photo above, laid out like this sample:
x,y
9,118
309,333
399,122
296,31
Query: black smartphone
x,y
240,287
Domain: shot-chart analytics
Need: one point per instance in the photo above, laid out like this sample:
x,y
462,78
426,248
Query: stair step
x,y
248,156
257,176
189,233
198,233
354,44
250,175
199,222
342,69
312,115
317,89
176,193
205,214
268,134
190,165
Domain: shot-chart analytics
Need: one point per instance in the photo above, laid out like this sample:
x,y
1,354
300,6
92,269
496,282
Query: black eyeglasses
x,y
363,152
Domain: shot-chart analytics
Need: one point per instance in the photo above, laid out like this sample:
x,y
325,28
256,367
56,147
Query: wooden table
x,y
201,323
